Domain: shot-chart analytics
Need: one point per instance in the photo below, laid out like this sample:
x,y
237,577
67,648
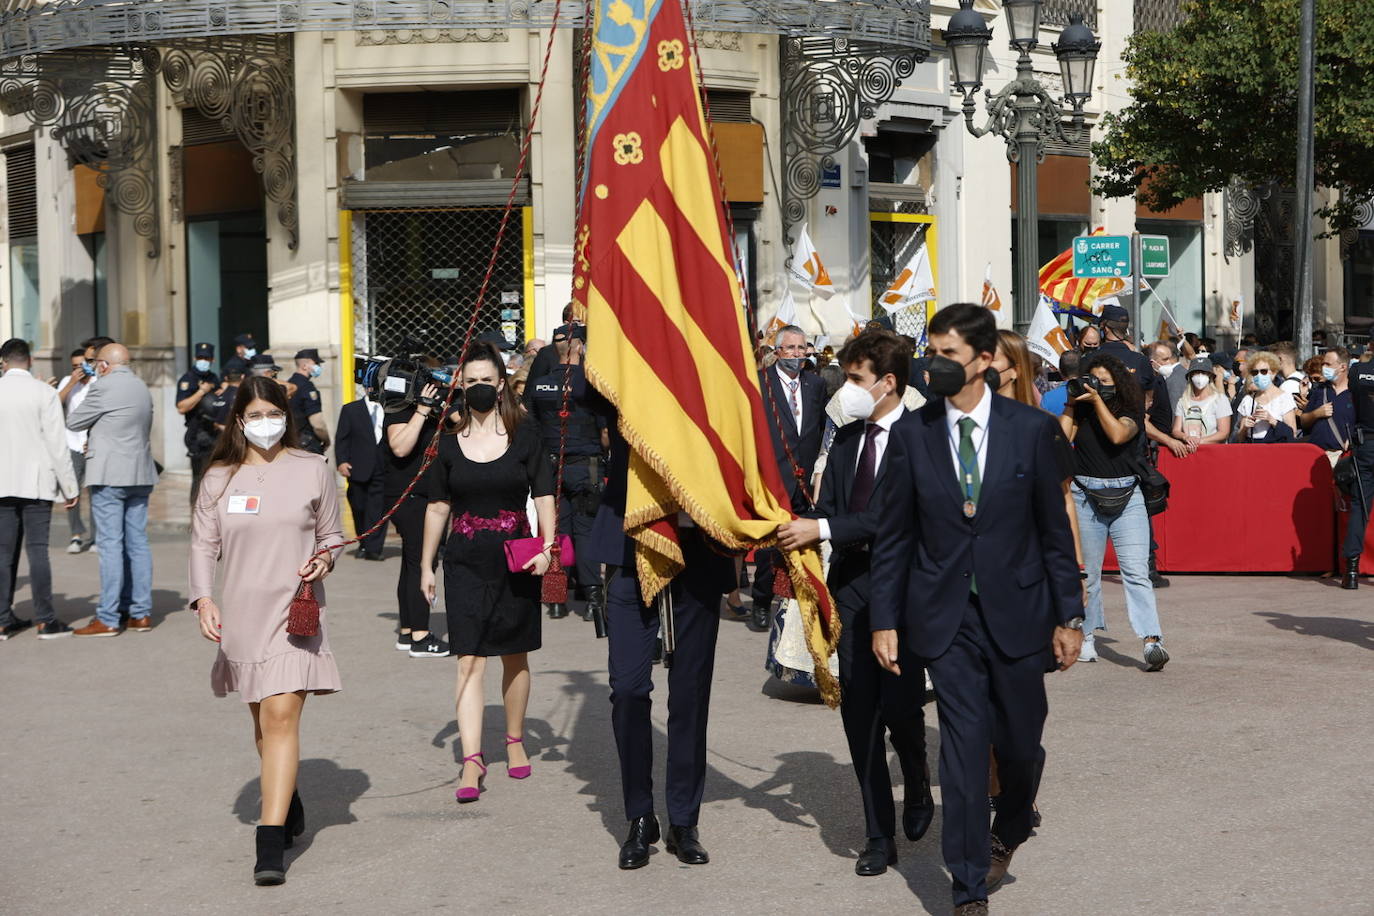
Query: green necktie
x,y
969,477
968,457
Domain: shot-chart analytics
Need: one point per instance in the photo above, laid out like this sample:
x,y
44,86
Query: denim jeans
x,y
78,527
27,520
1130,534
120,516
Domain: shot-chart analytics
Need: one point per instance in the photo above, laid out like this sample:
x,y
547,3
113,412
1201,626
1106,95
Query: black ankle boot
x,y
295,820
1352,573
271,851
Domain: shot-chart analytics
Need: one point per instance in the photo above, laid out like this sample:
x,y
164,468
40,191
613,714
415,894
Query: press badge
x,y
244,504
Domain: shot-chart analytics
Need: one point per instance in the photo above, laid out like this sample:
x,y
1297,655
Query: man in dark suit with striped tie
x,y
875,364
794,401
973,568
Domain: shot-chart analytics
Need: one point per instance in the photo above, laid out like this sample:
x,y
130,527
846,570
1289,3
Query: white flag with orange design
x,y
808,268
785,315
915,285
1046,338
990,298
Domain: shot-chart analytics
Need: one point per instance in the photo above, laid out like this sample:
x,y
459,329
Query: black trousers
x,y
986,698
411,603
872,700
577,513
26,520
367,502
631,630
1358,520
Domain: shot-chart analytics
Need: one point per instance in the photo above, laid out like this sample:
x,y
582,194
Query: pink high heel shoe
x,y
516,772
466,794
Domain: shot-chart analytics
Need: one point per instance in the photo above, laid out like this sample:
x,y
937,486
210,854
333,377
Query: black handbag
x,y
1154,487
1108,500
1346,475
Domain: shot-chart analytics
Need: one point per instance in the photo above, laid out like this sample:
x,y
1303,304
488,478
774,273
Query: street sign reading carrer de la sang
x,y
1098,256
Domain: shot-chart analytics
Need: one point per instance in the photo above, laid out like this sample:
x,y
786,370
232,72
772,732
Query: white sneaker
x,y
1089,651
74,546
94,549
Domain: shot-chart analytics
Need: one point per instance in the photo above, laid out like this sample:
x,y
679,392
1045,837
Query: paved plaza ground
x,y
1231,782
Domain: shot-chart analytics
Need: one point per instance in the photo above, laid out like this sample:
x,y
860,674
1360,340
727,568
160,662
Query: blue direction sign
x,y
1098,256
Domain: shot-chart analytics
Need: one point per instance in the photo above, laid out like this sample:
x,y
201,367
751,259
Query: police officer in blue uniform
x,y
305,402
1362,393
583,450
245,348
198,383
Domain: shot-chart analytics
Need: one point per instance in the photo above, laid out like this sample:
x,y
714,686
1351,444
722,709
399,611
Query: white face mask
x,y
857,401
1200,381
264,433
1168,369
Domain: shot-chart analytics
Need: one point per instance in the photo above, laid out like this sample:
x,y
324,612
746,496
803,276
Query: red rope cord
x,y
432,449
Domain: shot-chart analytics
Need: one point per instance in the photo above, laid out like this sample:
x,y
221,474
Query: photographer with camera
x,y
1104,419
407,431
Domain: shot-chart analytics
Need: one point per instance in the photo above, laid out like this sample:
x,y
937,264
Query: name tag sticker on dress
x,y
244,504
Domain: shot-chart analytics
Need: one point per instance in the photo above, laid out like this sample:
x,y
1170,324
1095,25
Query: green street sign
x,y
1098,256
1154,255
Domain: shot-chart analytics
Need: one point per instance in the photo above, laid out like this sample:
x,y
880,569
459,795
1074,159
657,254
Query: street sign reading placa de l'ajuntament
x,y
1154,255
1099,256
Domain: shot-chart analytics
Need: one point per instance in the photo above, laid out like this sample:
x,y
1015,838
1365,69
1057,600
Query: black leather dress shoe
x,y
917,813
558,611
758,614
682,842
634,852
876,857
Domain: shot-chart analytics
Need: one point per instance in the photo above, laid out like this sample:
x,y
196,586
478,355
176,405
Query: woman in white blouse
x,y
1267,412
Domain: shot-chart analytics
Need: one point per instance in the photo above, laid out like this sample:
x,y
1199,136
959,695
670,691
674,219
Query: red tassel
x,y
782,582
554,589
304,616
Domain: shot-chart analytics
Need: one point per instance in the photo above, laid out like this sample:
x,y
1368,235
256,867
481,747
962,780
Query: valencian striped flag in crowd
x,y
667,341
1075,295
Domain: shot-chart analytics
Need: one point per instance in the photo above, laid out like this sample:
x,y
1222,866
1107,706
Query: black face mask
x,y
993,378
480,397
1106,392
946,376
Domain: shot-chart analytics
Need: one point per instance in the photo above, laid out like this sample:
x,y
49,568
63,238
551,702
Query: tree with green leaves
x,y
1216,99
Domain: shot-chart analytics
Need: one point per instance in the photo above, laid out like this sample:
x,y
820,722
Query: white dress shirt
x,y
374,410
884,425
980,413
76,441
786,405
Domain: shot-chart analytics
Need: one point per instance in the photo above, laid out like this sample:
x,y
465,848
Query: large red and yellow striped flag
x,y
667,338
1075,295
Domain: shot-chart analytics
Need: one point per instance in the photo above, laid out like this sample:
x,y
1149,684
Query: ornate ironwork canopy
x,y
38,26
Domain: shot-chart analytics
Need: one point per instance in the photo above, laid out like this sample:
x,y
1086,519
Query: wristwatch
x,y
1074,623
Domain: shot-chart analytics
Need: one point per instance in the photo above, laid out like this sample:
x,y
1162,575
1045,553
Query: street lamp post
x,y
1023,113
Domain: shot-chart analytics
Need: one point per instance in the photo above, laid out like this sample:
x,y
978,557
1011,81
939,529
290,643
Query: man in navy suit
x,y
632,630
358,456
973,568
875,364
795,403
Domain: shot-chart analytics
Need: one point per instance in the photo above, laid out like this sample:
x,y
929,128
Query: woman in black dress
x,y
487,468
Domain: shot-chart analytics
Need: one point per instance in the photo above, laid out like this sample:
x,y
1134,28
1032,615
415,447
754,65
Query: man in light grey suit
x,y
118,412
35,469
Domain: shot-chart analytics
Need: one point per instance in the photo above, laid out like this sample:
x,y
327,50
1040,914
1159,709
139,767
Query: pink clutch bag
x,y
520,551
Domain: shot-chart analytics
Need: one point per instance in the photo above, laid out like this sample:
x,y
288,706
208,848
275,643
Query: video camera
x,y
398,382
1079,386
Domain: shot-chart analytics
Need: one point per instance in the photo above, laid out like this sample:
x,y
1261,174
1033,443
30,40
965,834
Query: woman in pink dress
x,y
264,510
